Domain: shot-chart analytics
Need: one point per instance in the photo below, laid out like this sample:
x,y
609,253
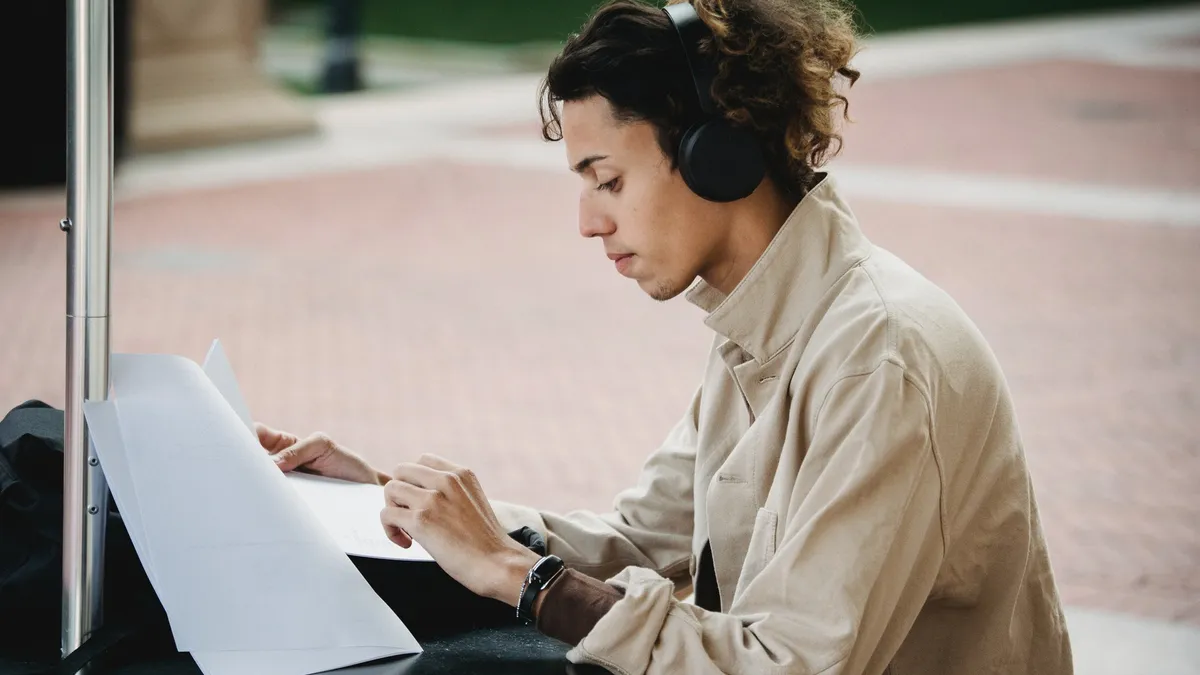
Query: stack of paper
x,y
249,564
349,511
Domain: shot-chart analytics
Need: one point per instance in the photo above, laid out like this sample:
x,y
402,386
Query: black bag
x,y
428,600
31,515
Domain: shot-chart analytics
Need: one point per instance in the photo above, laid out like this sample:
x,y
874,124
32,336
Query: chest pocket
x,y
762,547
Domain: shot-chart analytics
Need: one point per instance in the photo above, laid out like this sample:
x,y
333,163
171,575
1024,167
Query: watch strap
x,y
543,573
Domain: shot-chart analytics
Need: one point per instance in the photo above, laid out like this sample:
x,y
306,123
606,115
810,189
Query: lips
x,y
621,261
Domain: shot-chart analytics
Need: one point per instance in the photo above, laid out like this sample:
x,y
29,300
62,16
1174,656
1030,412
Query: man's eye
x,y
610,185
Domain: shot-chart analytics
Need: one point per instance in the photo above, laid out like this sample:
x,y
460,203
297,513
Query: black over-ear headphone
x,y
718,161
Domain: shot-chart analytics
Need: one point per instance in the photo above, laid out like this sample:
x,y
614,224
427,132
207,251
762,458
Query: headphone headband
x,y
719,161
691,30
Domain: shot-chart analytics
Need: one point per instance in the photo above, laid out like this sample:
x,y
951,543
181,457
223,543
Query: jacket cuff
x,y
624,637
574,605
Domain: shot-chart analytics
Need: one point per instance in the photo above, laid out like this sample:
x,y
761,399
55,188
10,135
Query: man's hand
x,y
442,507
317,454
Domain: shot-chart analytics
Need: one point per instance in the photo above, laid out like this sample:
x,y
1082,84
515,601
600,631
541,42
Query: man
x,y
847,492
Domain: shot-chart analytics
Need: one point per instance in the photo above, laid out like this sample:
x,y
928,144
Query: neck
x,y
753,223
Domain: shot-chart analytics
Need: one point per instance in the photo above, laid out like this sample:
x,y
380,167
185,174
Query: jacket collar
x,y
818,243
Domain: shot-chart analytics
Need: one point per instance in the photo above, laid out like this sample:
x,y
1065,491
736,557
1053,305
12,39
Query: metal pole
x,y
88,226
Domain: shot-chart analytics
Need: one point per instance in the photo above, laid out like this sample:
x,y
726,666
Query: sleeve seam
x,y
833,665
933,449
890,324
587,654
937,458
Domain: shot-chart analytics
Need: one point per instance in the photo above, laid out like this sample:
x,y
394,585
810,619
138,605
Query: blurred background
x,y
355,199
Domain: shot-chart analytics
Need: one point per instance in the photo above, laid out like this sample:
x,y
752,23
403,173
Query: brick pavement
x,y
454,308
1058,120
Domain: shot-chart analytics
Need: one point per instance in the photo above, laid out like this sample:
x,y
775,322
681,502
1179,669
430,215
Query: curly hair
x,y
778,64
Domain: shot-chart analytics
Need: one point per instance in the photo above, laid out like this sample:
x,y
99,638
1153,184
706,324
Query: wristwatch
x,y
543,573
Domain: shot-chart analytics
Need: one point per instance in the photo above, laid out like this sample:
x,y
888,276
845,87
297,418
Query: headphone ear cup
x,y
687,159
721,162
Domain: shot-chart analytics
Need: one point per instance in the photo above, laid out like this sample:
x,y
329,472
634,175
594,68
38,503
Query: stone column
x,y
196,79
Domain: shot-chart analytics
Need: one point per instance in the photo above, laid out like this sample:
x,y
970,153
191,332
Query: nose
x,y
594,222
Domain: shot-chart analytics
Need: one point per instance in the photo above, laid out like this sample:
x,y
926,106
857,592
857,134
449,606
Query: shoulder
x,y
884,311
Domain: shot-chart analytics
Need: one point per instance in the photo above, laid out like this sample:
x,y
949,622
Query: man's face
x,y
658,232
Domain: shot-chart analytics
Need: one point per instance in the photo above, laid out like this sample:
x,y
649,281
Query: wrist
x,y
512,568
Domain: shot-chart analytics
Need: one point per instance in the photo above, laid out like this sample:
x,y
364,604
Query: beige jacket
x,y
853,456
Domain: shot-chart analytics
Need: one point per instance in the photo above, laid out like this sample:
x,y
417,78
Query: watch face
x,y
543,571
546,567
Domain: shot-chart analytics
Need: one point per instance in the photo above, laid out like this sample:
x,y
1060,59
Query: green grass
x,y
498,22
481,21
487,21
304,87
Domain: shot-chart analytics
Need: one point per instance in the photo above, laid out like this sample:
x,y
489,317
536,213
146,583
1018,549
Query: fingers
x,y
393,519
405,506
272,440
440,463
421,476
303,452
436,473
402,494
465,476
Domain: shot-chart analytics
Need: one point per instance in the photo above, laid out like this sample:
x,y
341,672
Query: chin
x,y
659,290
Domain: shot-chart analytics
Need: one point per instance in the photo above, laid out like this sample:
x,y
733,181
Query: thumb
x,y
299,454
272,440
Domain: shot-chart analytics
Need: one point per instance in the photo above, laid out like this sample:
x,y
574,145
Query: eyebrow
x,y
586,162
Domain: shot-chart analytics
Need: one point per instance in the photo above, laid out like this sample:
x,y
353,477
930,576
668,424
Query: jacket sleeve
x,y
856,559
650,525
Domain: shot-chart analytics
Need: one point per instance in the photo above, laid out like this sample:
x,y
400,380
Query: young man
x,y
847,492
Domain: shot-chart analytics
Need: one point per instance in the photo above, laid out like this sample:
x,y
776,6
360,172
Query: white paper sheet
x,y
349,511
105,432
220,372
251,580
